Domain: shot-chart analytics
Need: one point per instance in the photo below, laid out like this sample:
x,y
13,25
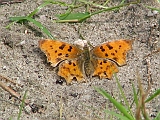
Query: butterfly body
x,y
80,64
87,64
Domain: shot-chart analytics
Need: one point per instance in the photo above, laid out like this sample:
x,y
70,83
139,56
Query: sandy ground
x,y
22,61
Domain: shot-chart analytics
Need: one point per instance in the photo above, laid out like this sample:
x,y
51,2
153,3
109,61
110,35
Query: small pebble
x,y
4,67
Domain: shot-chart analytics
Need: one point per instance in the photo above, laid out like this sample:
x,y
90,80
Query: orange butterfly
x,y
83,63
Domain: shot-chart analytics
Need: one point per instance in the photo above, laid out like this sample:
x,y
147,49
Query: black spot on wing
x,y
69,62
106,54
66,55
113,54
105,73
72,74
62,46
102,49
124,53
70,49
107,67
78,76
74,64
51,46
104,61
59,54
109,46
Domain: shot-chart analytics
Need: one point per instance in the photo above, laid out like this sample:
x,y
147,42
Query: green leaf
x,y
157,92
123,95
38,24
135,95
22,105
152,8
157,117
38,8
119,106
73,17
122,117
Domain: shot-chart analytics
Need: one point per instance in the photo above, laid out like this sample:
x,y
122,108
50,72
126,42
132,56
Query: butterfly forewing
x,y
115,51
57,51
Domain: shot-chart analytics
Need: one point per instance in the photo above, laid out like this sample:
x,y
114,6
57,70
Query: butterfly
x,y
81,63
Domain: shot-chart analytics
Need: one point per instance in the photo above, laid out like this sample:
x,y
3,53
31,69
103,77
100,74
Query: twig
x,y
149,73
7,79
153,52
34,107
61,108
10,1
8,89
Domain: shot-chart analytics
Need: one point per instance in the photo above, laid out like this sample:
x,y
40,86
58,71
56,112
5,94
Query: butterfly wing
x,y
57,51
105,69
65,54
115,51
108,53
70,69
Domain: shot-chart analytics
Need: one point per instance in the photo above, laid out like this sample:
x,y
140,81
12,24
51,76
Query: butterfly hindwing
x,y
70,69
105,69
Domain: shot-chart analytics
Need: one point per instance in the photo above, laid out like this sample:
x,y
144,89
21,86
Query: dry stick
x,y
7,79
10,1
143,95
61,108
142,98
153,52
147,92
17,95
149,73
137,116
8,89
11,91
14,93
149,38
